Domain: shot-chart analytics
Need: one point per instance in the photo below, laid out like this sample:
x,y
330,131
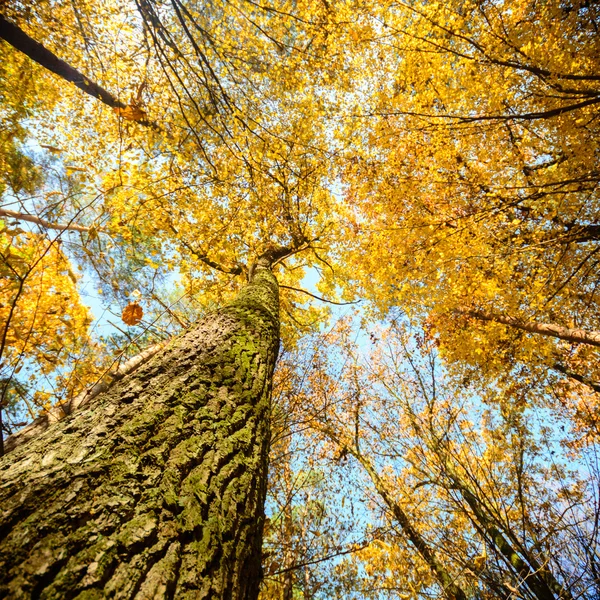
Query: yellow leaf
x,y
479,562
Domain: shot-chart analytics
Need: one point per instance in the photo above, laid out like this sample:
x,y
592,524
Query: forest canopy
x,y
424,177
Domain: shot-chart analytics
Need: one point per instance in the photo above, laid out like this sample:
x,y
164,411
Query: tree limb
x,y
17,38
546,114
287,287
43,222
575,336
580,378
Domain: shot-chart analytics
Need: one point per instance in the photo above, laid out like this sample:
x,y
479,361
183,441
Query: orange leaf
x,y
132,313
130,112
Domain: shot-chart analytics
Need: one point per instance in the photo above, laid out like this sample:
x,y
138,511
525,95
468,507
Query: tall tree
x,y
155,489
460,198
480,184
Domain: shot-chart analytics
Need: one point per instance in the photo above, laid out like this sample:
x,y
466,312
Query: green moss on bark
x,y
156,489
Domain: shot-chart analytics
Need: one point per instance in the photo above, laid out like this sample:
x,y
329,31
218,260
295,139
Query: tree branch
x,y
516,117
580,378
43,222
575,336
237,270
17,38
287,287
354,548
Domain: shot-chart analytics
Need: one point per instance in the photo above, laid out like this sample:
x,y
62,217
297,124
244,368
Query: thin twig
x,y
287,287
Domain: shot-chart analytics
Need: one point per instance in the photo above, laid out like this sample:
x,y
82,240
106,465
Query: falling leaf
x,y
479,562
132,314
274,567
139,99
52,149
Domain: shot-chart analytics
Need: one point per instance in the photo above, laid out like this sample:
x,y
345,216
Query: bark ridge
x,y
155,489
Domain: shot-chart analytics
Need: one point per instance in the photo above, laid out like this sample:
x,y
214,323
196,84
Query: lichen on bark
x,y
156,489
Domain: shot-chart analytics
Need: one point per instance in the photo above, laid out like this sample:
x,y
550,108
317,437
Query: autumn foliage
x,y
435,163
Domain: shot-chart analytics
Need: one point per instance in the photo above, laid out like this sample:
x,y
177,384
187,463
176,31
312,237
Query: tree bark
x,y
60,411
156,488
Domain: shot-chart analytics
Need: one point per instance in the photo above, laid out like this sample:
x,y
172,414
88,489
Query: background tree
x,y
479,185
494,500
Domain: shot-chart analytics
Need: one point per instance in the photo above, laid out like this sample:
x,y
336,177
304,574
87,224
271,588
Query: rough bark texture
x,y
61,411
156,488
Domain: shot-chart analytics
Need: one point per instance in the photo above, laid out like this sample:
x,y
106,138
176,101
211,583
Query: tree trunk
x,y
450,588
156,488
288,528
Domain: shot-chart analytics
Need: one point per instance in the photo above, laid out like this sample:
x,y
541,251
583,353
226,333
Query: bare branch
x,y
287,287
43,222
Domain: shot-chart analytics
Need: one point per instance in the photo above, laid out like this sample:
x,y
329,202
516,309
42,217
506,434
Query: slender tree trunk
x,y
450,588
288,529
537,577
156,488
307,588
